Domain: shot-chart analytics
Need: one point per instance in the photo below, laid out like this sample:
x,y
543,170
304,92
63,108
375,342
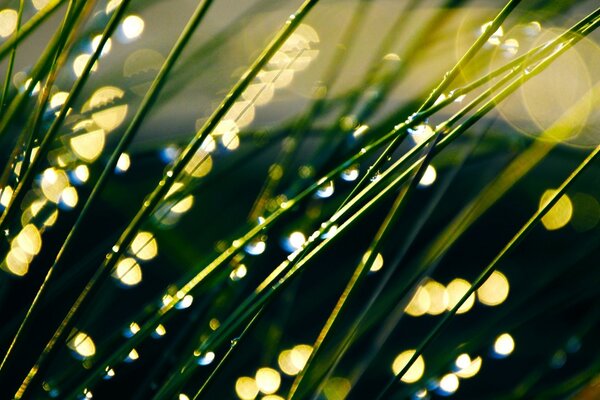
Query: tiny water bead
x,y
326,190
256,247
206,359
420,133
496,38
350,174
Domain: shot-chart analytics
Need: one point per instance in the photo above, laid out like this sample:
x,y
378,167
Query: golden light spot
x,y
160,330
124,162
132,26
456,290
214,324
107,118
8,22
96,43
200,164
7,193
241,113
58,99
470,370
111,5
300,355
438,297
134,327
504,344
144,246
183,205
246,388
428,177
238,273
272,397
259,93
336,388
82,173
268,380
16,262
377,262
494,290
297,239
36,88
80,62
560,214
284,360
419,304
463,361
51,219
29,239
278,78
39,4
230,140
416,370
88,146
209,145
133,355
449,383
69,197
83,344
128,272
54,181
183,396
